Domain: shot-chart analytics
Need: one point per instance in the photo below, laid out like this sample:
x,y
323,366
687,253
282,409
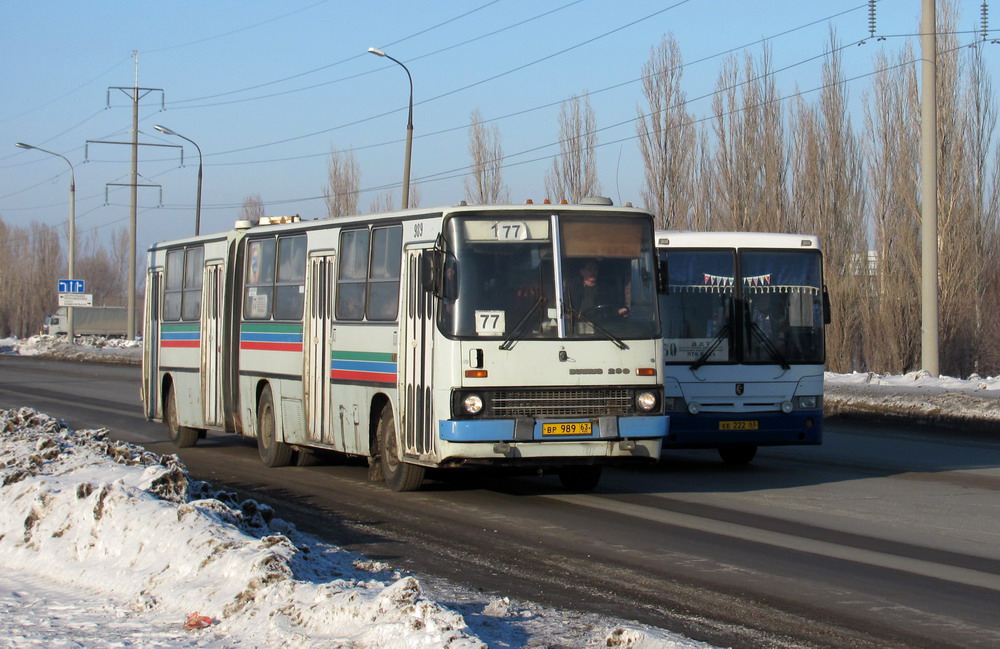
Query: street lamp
x,y
197,208
409,128
70,331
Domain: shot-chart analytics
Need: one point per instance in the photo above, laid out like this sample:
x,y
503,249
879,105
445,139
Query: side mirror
x,y
827,312
431,263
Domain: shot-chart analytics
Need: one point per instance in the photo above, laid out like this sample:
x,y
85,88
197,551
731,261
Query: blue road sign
x,y
72,286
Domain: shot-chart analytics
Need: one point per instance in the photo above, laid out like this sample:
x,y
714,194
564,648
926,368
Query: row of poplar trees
x,y
804,164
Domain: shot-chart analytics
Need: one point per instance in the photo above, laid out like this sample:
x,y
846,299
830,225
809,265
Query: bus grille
x,y
562,403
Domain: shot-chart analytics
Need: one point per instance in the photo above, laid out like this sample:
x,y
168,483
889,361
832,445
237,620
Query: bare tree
x,y
828,200
32,262
96,265
386,201
485,184
343,182
668,139
751,163
574,172
253,209
383,202
892,123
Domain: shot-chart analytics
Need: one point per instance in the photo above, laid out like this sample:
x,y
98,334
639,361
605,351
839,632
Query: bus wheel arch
x,y
398,474
273,452
181,436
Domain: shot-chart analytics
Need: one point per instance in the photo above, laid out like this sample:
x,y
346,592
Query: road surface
x,y
882,537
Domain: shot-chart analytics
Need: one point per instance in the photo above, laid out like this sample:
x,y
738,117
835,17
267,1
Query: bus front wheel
x,y
272,452
181,436
399,475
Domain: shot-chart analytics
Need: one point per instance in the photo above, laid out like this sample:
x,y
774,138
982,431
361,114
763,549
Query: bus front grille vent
x,y
562,403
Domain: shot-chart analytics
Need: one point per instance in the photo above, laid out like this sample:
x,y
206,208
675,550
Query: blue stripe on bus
x,y
365,366
262,337
179,335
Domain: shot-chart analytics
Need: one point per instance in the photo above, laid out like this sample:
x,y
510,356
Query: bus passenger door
x,y
319,311
151,345
211,344
417,421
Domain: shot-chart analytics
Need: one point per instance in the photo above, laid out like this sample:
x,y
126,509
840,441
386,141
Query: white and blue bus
x,y
519,336
743,316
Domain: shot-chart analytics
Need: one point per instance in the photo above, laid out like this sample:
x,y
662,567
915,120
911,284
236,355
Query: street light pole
x,y
409,128
70,330
197,208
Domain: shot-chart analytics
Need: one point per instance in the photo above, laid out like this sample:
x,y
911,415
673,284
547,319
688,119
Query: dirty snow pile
x,y
103,543
916,396
83,348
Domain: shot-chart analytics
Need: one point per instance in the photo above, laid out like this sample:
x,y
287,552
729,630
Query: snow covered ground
x,y
103,544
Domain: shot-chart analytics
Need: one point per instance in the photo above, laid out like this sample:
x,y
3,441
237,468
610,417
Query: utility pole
x,y
136,94
928,192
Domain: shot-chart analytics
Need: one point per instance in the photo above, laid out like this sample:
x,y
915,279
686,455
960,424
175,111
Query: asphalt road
x,y
882,537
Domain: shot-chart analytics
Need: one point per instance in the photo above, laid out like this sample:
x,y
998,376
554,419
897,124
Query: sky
x,y
267,89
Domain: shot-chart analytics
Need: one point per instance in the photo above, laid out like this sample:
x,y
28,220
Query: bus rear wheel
x,y
272,452
580,478
181,436
399,475
738,455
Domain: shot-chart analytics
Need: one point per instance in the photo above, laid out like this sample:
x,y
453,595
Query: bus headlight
x,y
472,404
645,401
786,407
806,403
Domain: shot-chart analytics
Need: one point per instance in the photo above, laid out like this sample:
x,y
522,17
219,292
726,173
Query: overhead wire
x,y
325,67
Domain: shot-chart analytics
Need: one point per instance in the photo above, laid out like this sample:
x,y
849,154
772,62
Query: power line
x,y
520,23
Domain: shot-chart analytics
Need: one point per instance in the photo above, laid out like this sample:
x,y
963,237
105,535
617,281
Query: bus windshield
x,y
548,277
755,306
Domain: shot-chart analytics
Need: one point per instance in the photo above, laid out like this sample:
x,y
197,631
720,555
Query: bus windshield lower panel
x,y
546,277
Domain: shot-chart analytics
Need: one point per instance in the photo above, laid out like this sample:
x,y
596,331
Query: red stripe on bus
x,y
271,347
378,377
180,343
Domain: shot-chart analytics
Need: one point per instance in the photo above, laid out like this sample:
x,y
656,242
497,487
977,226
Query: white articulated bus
x,y
743,316
523,335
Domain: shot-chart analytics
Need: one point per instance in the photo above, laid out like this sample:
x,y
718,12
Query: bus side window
x,y
194,261
174,287
260,280
289,287
352,273
383,276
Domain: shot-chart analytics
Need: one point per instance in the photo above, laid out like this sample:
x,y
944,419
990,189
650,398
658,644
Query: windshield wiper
x,y
768,344
607,334
707,354
518,330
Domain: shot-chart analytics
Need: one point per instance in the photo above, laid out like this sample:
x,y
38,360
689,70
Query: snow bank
x,y
84,348
915,396
99,532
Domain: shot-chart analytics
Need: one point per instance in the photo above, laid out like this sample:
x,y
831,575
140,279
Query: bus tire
x,y
580,478
399,475
738,455
181,436
272,452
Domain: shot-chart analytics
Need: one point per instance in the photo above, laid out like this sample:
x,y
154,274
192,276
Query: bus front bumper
x,y
714,429
605,437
